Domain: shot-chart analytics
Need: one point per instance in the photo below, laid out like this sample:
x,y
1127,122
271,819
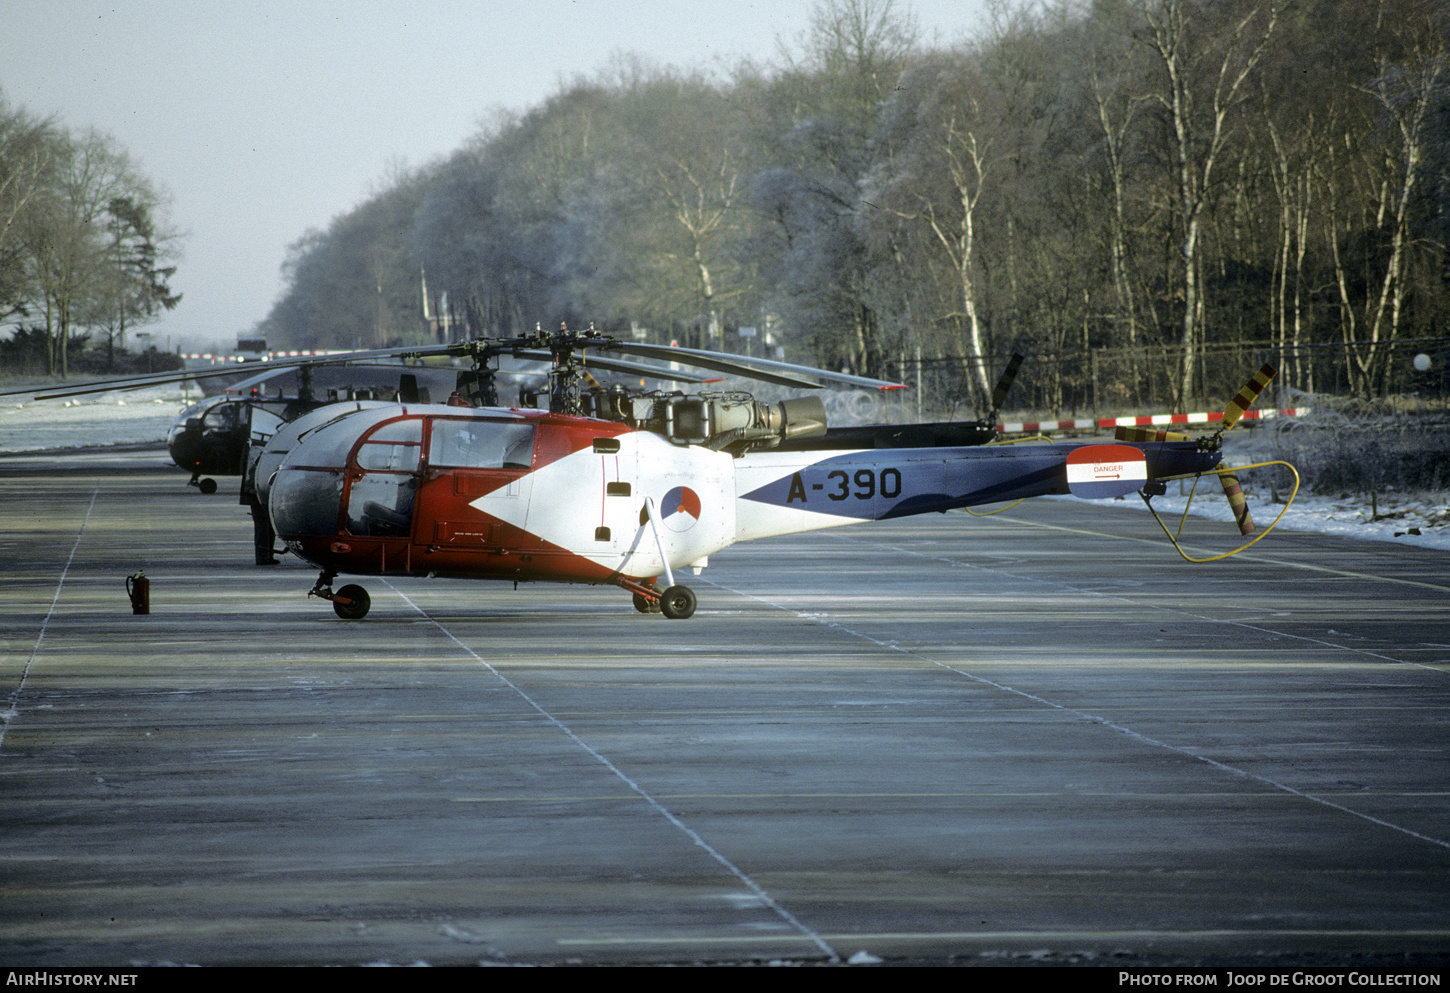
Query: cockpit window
x,y
330,432
407,429
477,444
396,446
223,416
265,422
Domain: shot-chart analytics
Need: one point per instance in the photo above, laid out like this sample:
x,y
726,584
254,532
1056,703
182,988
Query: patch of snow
x,y
138,417
1391,517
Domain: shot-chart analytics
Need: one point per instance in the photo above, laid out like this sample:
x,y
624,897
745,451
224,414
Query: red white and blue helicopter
x,y
615,486
625,489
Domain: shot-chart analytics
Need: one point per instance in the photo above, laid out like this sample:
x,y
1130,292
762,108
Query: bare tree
x,y
933,177
851,59
27,148
694,171
64,233
856,49
1407,92
1205,63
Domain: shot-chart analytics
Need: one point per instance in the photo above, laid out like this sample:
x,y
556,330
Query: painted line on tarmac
x,y
816,618
1090,937
755,888
1251,557
1176,610
11,712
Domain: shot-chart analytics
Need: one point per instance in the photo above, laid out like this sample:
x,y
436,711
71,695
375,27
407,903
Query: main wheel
x,y
207,486
357,606
677,602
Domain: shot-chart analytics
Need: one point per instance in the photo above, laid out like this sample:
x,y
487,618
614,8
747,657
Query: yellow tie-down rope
x,y
1221,471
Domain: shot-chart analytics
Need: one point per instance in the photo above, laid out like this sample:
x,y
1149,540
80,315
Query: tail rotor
x,y
1232,413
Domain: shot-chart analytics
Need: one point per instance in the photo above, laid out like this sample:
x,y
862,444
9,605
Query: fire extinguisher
x,y
138,588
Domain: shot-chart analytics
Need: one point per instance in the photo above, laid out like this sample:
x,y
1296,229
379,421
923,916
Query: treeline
x,y
82,260
1160,177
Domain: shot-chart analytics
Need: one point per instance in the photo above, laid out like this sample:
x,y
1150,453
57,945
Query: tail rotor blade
x,y
1245,397
1236,502
1148,435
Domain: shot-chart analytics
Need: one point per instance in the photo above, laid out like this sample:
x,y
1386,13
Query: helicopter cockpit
x,y
359,474
205,436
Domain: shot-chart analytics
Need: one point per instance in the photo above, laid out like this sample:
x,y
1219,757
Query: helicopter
x,y
212,437
363,486
628,492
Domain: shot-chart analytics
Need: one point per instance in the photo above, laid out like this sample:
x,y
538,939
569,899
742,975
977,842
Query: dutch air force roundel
x,y
680,508
1096,472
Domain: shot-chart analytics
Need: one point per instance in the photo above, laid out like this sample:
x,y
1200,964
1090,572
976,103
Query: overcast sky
x,y
264,119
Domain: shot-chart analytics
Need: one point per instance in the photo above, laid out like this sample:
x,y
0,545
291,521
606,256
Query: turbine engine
x,y
735,422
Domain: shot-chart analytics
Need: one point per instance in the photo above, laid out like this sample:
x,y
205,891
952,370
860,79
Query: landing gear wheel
x,y
207,486
677,602
357,606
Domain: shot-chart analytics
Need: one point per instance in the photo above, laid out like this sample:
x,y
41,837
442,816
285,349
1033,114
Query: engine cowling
x,y
736,422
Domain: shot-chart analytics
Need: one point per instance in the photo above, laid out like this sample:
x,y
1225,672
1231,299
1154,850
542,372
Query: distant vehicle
x,y
251,349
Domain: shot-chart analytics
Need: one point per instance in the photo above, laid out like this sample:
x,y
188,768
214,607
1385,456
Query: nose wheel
x,y
351,603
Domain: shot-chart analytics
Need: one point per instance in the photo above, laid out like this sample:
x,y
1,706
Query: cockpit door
x,y
382,480
476,484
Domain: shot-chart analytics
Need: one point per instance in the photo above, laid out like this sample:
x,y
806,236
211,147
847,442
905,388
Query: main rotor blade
x,y
119,384
616,365
766,370
589,347
1009,376
719,362
249,369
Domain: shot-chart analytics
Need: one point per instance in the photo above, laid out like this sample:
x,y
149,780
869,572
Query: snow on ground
x,y
1347,515
146,416
131,418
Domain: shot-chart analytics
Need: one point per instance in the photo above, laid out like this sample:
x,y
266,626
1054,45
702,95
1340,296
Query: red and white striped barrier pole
x,y
1152,420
